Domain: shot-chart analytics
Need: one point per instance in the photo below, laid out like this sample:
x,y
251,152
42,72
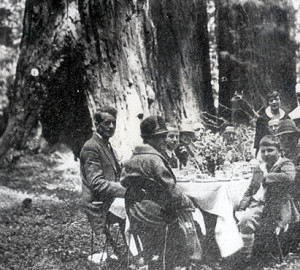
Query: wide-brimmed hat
x,y
198,126
186,127
153,125
288,126
172,128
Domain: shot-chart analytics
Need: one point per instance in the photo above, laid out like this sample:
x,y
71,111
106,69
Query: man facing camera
x,y
267,202
172,143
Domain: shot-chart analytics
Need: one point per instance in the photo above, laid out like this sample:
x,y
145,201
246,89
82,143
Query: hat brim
x,y
154,134
289,132
187,131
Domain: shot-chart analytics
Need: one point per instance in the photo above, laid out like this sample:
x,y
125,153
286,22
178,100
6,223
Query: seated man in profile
x,y
100,173
267,202
158,211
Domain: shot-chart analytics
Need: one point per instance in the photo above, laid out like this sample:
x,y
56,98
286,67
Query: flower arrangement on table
x,y
234,144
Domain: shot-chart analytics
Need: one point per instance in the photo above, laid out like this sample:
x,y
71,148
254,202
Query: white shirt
x,y
260,194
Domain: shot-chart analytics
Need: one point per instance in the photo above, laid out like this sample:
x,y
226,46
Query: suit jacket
x,y
279,207
100,173
172,159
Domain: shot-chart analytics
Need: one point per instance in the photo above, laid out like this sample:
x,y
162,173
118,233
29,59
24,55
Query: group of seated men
x,y
158,211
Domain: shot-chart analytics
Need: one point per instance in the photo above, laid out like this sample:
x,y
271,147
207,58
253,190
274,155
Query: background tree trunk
x,y
45,28
256,51
143,57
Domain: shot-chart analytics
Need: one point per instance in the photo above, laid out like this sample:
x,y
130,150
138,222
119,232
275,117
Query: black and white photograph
x,y
149,134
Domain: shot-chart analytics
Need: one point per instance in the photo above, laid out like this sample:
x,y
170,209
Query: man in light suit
x,y
100,171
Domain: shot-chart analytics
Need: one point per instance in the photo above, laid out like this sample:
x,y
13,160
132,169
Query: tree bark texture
x,y
142,57
48,39
256,51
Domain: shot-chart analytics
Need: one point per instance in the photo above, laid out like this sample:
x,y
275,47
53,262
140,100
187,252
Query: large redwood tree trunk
x,y
47,27
142,57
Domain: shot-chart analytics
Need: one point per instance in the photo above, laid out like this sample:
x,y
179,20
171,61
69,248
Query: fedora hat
x,y
153,125
187,127
288,126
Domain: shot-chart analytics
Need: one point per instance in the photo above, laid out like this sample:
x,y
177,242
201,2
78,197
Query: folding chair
x,y
112,243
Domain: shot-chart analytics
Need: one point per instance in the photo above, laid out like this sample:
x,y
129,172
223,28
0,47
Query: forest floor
x,y
42,225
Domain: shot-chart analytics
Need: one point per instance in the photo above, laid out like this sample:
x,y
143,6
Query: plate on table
x,y
181,179
224,179
206,181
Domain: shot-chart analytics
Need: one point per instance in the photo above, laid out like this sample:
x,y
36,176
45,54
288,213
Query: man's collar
x,y
101,138
264,166
169,152
277,162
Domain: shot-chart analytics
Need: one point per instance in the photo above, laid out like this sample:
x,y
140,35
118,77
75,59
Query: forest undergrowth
x,y
42,225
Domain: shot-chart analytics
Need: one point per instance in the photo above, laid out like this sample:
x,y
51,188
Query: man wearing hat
x,y
154,202
295,114
186,150
235,148
289,135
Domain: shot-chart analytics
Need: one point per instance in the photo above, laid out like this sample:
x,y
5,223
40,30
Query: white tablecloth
x,y
218,198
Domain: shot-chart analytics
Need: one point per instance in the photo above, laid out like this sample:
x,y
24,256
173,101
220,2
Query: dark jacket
x,y
294,156
152,195
100,173
279,207
173,161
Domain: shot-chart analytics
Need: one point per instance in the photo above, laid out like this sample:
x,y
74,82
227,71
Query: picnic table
x,y
216,196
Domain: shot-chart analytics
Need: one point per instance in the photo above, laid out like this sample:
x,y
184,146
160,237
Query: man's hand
x,y
182,149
